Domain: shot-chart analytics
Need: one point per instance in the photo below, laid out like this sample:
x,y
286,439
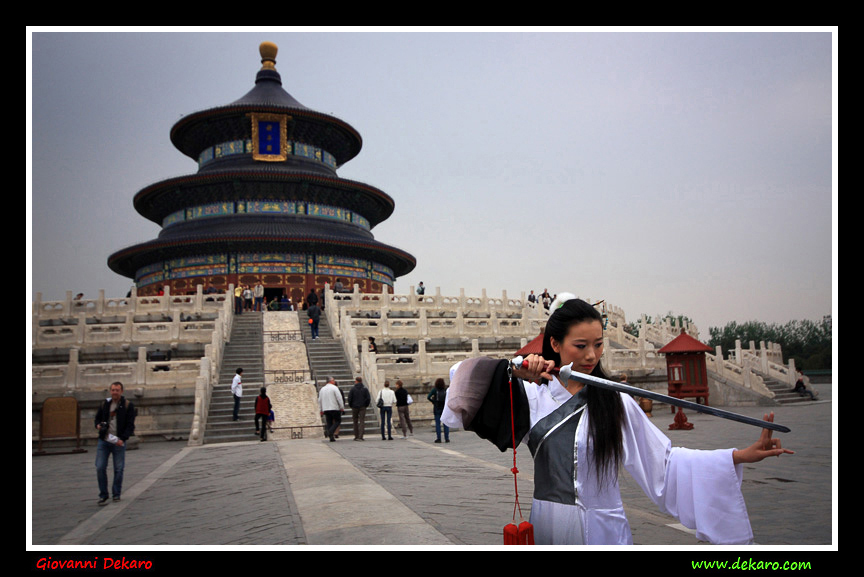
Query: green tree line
x,y
806,341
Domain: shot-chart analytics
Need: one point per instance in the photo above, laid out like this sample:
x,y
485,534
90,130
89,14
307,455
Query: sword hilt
x,y
562,372
523,364
520,362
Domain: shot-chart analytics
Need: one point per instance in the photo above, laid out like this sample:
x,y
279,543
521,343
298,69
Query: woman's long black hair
x,y
607,410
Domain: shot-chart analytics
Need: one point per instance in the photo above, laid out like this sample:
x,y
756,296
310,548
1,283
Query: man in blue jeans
x,y
115,421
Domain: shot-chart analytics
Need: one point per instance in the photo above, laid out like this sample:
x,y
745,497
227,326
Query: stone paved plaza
x,y
406,492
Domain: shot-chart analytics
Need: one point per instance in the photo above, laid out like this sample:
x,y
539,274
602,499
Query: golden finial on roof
x,y
268,52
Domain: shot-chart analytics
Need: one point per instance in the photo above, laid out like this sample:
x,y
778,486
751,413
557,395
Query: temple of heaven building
x,y
266,204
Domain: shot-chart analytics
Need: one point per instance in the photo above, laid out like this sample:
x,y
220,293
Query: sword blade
x,y
566,372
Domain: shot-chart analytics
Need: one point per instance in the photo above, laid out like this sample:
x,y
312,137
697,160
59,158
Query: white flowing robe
x,y
702,489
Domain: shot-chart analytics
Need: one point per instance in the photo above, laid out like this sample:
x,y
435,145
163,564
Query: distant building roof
x,y
535,347
684,343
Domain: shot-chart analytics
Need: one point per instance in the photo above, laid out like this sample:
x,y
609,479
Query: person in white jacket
x,y
237,392
331,405
386,401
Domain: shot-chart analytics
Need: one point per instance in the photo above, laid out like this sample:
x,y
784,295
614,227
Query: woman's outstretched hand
x,y
764,447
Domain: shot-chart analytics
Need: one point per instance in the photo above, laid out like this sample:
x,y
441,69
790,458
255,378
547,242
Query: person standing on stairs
x,y
238,300
237,391
314,314
262,412
258,293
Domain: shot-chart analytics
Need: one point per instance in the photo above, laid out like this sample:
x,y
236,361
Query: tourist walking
x,y
359,399
403,400
331,405
263,407
314,314
438,397
115,421
386,400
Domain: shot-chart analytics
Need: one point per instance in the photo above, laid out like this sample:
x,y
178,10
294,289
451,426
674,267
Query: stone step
x,y
326,358
783,394
244,350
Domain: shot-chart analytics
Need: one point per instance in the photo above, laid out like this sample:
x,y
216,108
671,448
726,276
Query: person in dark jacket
x,y
115,421
314,314
403,409
359,399
262,411
438,397
801,389
311,298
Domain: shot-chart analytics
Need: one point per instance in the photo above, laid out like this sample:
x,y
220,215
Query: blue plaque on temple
x,y
269,137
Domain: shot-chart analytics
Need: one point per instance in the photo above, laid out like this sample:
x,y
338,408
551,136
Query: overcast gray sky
x,y
662,171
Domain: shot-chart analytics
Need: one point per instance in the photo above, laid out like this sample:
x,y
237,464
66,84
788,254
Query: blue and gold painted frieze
x,y
271,262
261,263
251,257
291,148
271,206
342,266
291,207
326,211
206,210
231,148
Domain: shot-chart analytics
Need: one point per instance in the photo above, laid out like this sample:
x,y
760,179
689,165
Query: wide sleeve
x,y
702,489
482,399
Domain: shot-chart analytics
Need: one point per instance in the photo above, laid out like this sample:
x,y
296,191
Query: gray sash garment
x,y
552,442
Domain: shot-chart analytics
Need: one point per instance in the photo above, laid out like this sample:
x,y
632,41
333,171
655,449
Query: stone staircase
x,y
327,359
783,394
246,351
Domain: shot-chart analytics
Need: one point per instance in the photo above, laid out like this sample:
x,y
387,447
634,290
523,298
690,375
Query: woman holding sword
x,y
580,435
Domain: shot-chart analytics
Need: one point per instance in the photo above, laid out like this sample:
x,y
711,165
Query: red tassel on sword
x,y
511,534
523,533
